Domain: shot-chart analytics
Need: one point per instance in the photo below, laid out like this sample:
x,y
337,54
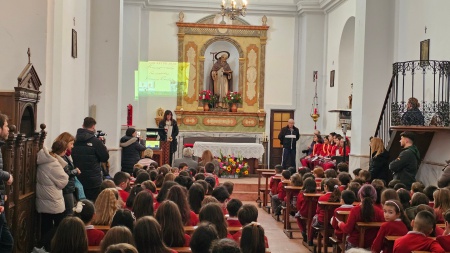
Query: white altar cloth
x,y
246,150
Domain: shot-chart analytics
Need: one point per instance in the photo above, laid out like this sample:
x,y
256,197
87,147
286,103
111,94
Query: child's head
x,y
178,194
388,194
70,236
133,193
121,248
147,235
354,187
393,182
286,174
379,186
252,239
424,222
332,185
417,187
342,167
169,177
153,174
447,218
356,172
184,181
442,199
143,204
330,173
399,186
368,195
233,207
364,175
303,170
309,185
192,172
199,176
212,212
404,197
278,169
212,183
344,178
106,205
318,172
225,245
121,180
429,190
149,185
247,214
419,198
209,199
183,166
115,235
141,177
229,186
107,183
307,175
196,195
348,197
202,237
169,218
84,210
393,210
209,167
296,180
162,194
220,193
123,217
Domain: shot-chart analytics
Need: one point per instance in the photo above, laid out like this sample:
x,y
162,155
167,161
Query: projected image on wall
x,y
156,78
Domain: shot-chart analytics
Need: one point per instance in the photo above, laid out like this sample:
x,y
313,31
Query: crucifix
x,y
426,29
29,55
73,21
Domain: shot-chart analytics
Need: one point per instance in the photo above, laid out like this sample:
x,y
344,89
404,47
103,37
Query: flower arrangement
x,y
233,97
205,96
232,167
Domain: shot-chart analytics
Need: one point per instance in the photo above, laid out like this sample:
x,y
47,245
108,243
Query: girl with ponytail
x,y
252,239
397,224
366,212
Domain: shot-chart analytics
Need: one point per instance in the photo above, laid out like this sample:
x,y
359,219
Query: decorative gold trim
x,y
249,122
223,121
190,120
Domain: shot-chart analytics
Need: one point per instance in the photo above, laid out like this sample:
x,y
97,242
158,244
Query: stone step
x,y
244,195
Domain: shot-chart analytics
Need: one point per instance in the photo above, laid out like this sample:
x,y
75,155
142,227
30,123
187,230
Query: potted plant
x,y
206,97
233,98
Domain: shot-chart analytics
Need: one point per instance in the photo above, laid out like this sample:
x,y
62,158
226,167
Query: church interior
x,y
328,64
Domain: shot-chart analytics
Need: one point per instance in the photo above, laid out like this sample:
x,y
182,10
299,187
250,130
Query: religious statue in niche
x,y
350,98
221,75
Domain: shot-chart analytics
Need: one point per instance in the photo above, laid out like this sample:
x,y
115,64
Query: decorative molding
x,y
251,78
191,50
190,120
250,122
222,121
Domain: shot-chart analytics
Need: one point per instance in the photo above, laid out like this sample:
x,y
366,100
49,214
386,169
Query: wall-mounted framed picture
x,y
425,52
74,44
332,78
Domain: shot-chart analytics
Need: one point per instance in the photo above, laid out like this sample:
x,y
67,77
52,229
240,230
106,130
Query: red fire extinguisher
x,y
129,115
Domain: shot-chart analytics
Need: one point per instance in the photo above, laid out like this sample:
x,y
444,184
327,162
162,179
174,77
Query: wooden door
x,y
278,120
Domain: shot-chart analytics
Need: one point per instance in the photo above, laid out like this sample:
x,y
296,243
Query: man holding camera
x,y
88,153
288,137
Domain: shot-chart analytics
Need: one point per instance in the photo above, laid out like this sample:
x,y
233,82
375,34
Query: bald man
x,y
288,137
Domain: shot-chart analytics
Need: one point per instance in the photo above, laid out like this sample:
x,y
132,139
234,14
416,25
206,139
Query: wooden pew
x,y
309,197
187,229
363,226
286,223
326,225
266,189
102,228
274,215
260,189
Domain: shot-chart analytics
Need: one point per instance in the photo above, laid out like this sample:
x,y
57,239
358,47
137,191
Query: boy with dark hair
x,y
342,167
393,182
417,239
398,186
356,172
278,198
182,167
429,190
347,199
199,176
417,187
122,180
247,214
229,186
365,176
273,185
209,168
233,207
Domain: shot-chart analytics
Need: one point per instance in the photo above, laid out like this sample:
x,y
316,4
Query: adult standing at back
x,y
379,160
169,132
288,137
87,153
131,150
407,163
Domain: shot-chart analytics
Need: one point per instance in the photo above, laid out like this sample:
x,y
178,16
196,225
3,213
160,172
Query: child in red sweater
x,y
85,210
233,207
278,198
273,184
122,182
246,215
397,224
417,239
309,186
366,212
347,199
444,239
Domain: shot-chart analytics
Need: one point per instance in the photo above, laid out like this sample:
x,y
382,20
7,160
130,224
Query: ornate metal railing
x,y
426,81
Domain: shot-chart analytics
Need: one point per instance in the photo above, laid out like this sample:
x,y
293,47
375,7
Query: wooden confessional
x,y
19,157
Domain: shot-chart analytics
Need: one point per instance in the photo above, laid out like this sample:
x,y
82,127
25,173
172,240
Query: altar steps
x,y
245,189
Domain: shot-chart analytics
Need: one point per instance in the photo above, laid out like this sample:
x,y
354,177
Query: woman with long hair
x,y
379,160
105,207
169,132
178,195
207,157
115,235
148,238
70,237
212,212
169,217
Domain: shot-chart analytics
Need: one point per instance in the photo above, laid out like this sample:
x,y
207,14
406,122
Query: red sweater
x,y
352,231
187,240
233,222
193,219
123,195
302,205
320,212
94,236
273,184
444,241
390,228
281,191
334,222
418,242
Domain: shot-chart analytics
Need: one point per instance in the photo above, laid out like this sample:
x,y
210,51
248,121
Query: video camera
x,y
100,135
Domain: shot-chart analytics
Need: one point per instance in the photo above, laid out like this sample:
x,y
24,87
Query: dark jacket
x,y
87,153
289,143
444,180
163,135
70,170
406,165
4,176
379,166
413,117
131,152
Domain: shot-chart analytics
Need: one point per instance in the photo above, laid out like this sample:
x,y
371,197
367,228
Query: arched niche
x,y
346,61
27,121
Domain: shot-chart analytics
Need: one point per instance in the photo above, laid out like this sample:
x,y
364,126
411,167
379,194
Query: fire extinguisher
x,y
129,115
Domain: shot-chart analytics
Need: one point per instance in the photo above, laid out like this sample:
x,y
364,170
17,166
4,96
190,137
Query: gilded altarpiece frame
x,y
250,42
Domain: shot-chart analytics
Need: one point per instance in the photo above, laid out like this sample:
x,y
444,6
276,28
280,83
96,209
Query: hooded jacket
x,y
87,154
50,180
406,165
131,152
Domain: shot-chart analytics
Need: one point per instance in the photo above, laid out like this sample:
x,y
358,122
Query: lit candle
x,y
315,110
223,3
233,3
244,3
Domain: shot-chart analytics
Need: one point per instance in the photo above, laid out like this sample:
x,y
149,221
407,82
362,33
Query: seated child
x,y
122,181
85,210
436,229
441,203
356,172
397,224
417,187
309,186
233,207
365,176
253,238
273,184
347,199
417,239
246,215
417,198
222,195
278,198
209,168
429,190
229,186
444,239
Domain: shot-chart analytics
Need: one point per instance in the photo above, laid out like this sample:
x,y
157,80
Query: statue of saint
x,y
221,74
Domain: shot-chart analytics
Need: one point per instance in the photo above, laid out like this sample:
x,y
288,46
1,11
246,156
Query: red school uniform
x,y
237,238
390,228
281,191
320,212
94,236
187,240
123,195
416,241
353,233
273,184
193,219
325,150
334,222
302,208
444,241
233,222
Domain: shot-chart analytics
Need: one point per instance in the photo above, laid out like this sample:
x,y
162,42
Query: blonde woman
x,y
106,206
147,160
207,157
379,161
